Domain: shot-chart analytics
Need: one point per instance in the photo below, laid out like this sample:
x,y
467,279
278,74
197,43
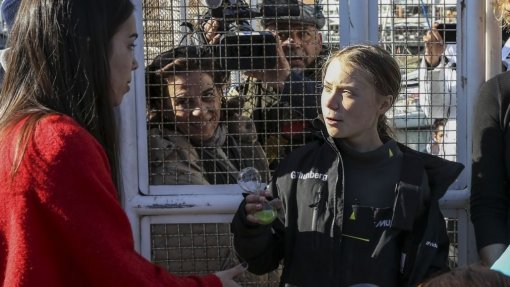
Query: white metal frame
x,y
147,205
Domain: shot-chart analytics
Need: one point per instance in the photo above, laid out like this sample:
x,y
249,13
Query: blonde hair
x,y
501,14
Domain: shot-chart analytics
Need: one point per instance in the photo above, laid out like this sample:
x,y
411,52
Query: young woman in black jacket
x,y
356,206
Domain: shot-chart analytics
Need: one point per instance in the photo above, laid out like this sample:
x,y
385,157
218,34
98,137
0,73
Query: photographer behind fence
x,y
282,98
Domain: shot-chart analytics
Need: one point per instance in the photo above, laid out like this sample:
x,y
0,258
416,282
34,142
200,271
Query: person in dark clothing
x,y
490,196
283,100
490,206
356,206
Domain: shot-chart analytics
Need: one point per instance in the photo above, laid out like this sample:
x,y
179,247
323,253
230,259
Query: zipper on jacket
x,y
315,207
339,163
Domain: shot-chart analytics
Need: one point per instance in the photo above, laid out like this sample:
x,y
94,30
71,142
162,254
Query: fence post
x,y
358,22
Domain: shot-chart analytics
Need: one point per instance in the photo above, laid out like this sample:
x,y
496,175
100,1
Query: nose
x,y
200,111
292,40
134,65
333,100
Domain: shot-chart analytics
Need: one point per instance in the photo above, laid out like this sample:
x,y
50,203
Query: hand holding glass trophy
x,y
250,181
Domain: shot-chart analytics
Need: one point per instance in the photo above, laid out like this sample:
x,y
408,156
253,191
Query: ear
x,y
385,104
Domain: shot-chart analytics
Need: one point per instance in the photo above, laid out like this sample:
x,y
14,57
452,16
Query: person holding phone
x,y
283,100
437,83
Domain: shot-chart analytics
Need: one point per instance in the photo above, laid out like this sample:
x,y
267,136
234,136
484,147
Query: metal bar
x,y
455,199
345,23
470,76
184,204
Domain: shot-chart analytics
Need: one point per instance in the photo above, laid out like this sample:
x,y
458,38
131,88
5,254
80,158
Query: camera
x,y
240,47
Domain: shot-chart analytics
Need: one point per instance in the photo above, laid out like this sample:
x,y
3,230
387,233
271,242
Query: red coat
x,y
60,220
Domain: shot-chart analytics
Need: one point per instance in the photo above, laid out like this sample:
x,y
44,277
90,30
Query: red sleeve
x,y
67,227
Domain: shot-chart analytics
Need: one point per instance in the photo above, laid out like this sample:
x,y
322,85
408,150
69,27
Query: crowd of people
x,y
352,205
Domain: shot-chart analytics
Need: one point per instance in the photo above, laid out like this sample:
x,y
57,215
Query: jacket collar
x,y
441,173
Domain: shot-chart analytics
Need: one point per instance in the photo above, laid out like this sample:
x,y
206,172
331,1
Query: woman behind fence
x,y
193,139
61,223
357,207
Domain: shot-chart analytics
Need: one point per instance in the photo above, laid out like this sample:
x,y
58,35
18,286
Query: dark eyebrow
x,y
134,35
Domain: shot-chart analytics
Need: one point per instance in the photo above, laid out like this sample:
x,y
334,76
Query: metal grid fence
x,y
186,249
424,116
204,248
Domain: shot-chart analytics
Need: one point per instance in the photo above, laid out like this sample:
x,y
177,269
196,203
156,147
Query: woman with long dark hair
x,y
61,223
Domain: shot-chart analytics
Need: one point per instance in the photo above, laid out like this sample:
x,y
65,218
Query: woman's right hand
x,y
254,204
227,276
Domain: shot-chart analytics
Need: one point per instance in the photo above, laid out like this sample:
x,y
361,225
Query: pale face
x,y
196,104
438,135
301,43
351,106
121,59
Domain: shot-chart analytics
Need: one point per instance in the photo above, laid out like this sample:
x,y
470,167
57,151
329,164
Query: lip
x,y
332,121
199,124
295,59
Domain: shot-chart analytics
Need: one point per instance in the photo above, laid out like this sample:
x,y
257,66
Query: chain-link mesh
x,y
257,128
190,249
424,116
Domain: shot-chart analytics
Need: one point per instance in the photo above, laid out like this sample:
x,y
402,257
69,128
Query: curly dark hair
x,y
178,60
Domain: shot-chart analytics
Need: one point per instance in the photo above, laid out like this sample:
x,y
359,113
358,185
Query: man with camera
x,y
283,100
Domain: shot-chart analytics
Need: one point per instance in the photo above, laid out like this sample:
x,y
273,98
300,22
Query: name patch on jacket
x,y
308,175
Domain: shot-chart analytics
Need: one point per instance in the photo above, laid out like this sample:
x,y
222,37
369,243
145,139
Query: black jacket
x,y
490,180
309,241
